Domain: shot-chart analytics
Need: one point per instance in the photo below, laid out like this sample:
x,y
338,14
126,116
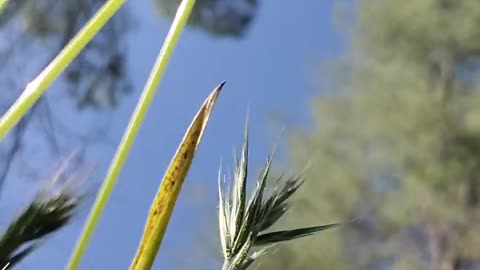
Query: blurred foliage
x,y
221,18
51,209
396,143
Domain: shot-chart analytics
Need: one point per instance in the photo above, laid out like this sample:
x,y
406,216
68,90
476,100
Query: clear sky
x,y
276,67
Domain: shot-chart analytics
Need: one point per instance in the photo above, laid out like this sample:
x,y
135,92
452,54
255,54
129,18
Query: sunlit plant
x,y
243,225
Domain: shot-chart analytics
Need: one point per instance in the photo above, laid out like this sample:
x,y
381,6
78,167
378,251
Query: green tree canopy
x,y
396,142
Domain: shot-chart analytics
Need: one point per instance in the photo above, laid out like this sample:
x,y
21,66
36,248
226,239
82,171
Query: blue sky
x,y
276,67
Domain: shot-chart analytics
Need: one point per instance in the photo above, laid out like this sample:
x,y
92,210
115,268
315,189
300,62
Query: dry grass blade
x,y
167,194
47,213
242,225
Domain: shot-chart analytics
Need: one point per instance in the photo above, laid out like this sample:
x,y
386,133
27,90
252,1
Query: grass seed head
x,y
50,210
242,224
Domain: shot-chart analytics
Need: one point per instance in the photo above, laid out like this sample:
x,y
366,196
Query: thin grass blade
x,y
239,200
254,207
222,219
280,236
40,84
3,4
128,138
277,204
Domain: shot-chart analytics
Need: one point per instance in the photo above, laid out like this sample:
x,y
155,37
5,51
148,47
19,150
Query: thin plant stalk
x,y
39,85
136,119
3,4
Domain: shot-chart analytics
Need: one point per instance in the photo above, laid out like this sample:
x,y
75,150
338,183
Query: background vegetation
x,y
396,142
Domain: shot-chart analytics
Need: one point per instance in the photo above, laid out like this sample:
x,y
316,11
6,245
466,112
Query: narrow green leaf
x,y
183,13
3,4
257,205
280,236
240,184
254,207
277,204
223,220
42,82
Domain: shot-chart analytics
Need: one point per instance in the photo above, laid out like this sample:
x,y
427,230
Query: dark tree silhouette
x,y
221,18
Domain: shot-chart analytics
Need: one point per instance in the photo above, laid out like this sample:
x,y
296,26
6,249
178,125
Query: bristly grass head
x,y
51,209
243,225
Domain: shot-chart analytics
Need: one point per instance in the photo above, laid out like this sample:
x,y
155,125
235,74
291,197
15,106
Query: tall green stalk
x,y
3,4
136,119
39,85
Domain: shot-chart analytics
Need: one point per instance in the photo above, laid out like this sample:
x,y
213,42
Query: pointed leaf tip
x,y
280,236
171,184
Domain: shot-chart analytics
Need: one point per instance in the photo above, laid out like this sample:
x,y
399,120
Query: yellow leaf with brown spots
x,y
167,194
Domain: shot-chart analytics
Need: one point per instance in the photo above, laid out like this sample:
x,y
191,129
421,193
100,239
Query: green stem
x,y
225,265
39,85
3,4
136,119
